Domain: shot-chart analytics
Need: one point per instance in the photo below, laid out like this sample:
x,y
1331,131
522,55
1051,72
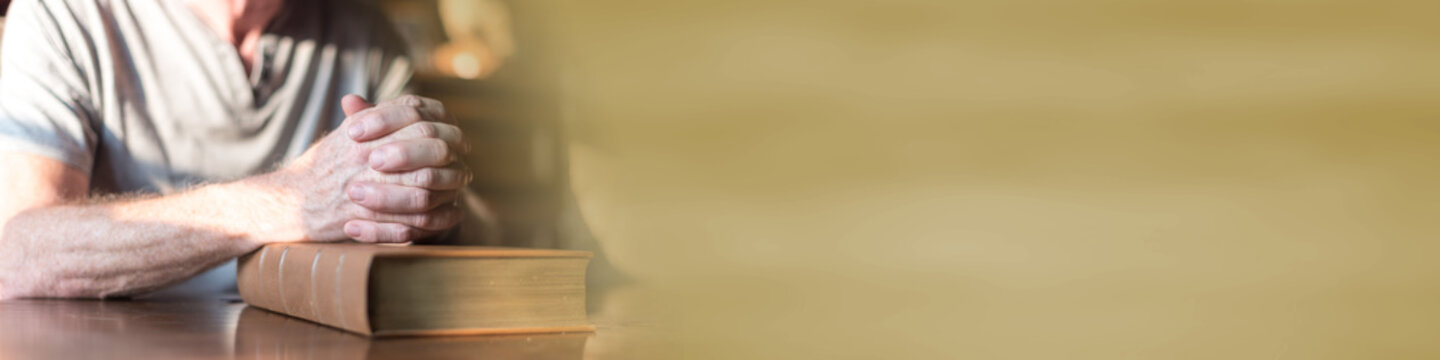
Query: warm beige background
x,y
1011,179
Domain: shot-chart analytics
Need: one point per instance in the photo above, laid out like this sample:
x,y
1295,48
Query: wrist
x,y
266,210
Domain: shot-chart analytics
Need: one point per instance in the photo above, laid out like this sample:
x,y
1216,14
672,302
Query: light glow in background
x,y
1031,179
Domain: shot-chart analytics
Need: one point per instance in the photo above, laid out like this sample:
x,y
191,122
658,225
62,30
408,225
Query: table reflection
x,y
264,334
70,329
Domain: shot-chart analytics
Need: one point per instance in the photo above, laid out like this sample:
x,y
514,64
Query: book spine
x,y
324,285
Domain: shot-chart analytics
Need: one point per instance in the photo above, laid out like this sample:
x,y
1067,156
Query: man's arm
x,y
56,244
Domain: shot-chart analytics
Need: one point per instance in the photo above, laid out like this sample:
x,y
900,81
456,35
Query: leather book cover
x,y
328,283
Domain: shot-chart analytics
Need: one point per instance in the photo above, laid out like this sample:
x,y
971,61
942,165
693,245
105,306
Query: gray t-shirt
x,y
146,98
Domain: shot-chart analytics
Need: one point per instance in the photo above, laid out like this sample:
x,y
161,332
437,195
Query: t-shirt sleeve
x,y
45,106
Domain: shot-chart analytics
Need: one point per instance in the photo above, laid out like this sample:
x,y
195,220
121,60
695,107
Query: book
x,y
267,335
386,290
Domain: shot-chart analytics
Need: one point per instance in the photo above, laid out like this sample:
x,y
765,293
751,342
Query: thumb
x,y
354,103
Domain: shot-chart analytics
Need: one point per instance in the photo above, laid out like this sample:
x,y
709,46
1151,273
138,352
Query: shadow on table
x,y
263,334
116,329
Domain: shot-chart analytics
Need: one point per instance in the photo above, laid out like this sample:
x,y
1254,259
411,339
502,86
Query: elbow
x,y
23,275
14,285
36,284
14,278
9,292
18,280
12,282
28,272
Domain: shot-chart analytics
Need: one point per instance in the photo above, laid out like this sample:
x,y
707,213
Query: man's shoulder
x,y
86,15
59,23
76,8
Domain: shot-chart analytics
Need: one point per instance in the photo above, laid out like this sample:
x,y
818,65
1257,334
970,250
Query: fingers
x,y
388,117
398,199
416,147
383,226
381,120
431,108
412,154
452,177
413,193
377,232
439,219
354,103
450,133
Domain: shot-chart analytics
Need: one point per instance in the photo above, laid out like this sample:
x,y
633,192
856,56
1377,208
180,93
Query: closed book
x,y
384,290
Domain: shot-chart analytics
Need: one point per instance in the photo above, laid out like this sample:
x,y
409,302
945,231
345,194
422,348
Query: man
x,y
143,142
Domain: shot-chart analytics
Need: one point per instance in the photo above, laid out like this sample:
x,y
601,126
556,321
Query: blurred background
x,y
980,179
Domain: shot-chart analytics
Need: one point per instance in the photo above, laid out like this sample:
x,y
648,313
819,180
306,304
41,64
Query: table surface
x,y
225,328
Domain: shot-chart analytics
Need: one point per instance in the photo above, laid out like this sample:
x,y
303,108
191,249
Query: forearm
x,y
120,247
110,248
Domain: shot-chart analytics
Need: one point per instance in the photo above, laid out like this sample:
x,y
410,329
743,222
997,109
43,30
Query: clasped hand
x,y
390,173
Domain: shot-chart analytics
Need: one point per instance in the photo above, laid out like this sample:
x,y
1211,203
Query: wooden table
x,y
225,328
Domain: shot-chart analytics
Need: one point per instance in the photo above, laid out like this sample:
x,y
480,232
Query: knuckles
x,y
418,212
426,129
426,178
421,199
395,155
410,100
441,148
430,129
411,115
439,220
430,222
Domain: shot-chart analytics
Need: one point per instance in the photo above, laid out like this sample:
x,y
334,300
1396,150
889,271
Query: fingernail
x,y
355,131
357,193
352,229
377,158
373,125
